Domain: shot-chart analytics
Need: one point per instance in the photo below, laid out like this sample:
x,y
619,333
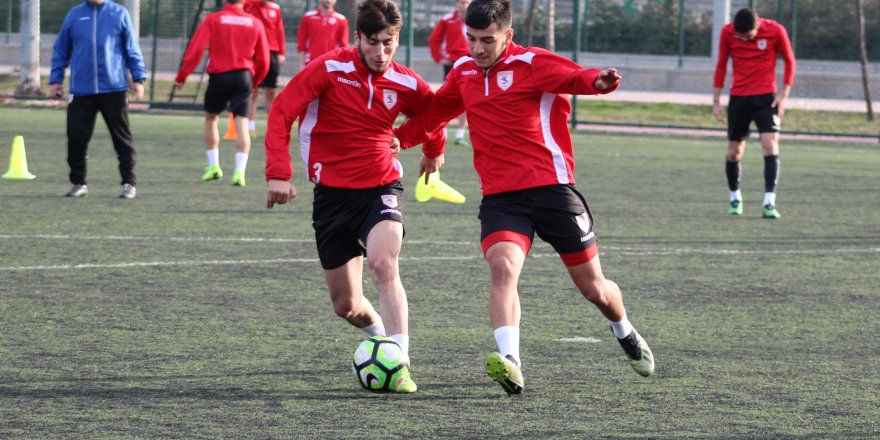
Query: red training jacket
x,y
518,113
346,113
235,40
269,14
754,61
448,39
319,34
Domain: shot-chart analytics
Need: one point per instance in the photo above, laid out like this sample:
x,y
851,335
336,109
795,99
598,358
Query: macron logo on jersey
x,y
236,20
468,72
348,82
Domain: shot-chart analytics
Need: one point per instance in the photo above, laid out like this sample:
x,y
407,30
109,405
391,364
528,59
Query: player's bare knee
x,y
344,308
383,270
502,269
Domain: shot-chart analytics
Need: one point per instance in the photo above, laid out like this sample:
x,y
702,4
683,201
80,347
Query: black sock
x,y
771,173
733,171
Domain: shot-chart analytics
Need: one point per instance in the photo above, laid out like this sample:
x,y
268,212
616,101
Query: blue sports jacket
x,y
98,43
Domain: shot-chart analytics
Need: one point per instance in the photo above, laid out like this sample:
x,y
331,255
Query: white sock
x,y
213,157
403,341
770,199
375,329
736,195
241,161
507,338
459,134
621,328
252,125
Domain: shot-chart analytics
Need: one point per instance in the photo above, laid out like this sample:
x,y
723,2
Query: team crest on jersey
x,y
583,222
271,13
389,98
505,79
762,43
390,200
332,20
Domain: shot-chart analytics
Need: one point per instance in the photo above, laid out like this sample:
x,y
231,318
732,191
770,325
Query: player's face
x,y
377,50
461,6
488,44
327,4
746,36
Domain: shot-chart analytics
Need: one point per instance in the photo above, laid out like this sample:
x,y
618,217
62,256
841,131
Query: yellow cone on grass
x,y
18,168
437,189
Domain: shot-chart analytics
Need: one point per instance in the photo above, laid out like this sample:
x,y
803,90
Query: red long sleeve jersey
x,y
754,61
269,14
346,113
319,34
237,41
448,39
518,113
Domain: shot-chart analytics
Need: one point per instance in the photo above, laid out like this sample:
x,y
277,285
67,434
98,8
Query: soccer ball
x,y
378,362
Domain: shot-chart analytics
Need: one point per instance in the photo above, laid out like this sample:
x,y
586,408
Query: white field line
x,y
614,250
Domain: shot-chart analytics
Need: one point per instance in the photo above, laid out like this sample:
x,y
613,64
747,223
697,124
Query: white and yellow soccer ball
x,y
378,362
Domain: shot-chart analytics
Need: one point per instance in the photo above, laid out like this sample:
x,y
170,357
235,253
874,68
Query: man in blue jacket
x,y
98,44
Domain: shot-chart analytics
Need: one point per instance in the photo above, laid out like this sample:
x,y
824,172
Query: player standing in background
x,y
448,43
753,43
321,31
346,102
98,43
239,59
518,109
270,15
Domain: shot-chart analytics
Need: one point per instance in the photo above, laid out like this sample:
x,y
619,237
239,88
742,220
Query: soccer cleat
x,y
404,383
212,173
253,133
771,212
736,208
461,142
77,191
505,371
638,353
238,178
128,192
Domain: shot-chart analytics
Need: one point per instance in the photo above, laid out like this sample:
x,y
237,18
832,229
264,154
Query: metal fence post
x,y
575,56
794,26
8,20
153,25
409,32
680,33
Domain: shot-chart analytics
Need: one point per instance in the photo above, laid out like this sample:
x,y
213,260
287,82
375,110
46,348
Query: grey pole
x,y
30,49
134,10
680,33
720,17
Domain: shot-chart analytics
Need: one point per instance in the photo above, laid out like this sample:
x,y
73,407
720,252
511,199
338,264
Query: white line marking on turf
x,y
589,339
224,239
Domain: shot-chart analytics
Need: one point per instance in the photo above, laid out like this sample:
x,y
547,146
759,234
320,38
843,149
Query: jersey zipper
x,y
370,85
486,79
95,44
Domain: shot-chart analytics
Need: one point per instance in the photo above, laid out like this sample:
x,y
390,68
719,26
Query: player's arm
x,y
720,73
261,58
134,59
446,104
193,55
435,42
302,36
343,37
783,47
293,100
560,75
60,59
282,37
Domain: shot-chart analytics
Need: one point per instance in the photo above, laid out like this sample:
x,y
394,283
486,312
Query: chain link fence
x,y
650,40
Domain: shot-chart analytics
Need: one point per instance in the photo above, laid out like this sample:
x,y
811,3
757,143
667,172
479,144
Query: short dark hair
x,y
745,20
233,2
374,16
482,13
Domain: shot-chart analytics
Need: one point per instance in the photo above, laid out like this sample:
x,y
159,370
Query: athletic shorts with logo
x,y
343,218
559,214
742,110
232,88
271,80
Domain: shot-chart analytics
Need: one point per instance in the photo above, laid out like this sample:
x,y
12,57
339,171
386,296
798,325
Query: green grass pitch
x,y
194,312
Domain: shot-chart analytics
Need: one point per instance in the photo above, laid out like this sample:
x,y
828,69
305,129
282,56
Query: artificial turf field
x,y
193,312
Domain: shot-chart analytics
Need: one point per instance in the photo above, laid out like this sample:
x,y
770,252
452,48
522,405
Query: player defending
x,y
321,31
448,43
527,174
346,102
270,15
754,44
239,55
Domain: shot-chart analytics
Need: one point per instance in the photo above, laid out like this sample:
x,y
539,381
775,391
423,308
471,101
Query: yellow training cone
x,y
436,188
18,161
231,132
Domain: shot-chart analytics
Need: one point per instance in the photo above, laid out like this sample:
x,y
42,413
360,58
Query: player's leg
x,y
82,112
462,126
737,129
505,260
239,105
769,124
344,283
114,109
270,98
216,98
383,252
252,113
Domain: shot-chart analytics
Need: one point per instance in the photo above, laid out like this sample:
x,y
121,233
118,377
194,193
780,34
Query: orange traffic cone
x,y
18,169
231,132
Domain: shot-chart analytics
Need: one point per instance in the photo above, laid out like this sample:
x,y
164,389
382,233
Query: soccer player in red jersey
x,y
518,108
239,55
346,102
753,43
448,43
321,31
270,15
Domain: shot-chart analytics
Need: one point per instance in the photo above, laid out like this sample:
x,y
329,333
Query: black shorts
x,y
558,213
446,70
271,79
343,218
233,88
742,110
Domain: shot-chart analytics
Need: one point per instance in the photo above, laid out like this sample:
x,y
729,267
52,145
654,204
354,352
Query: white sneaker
x,y
77,191
128,192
